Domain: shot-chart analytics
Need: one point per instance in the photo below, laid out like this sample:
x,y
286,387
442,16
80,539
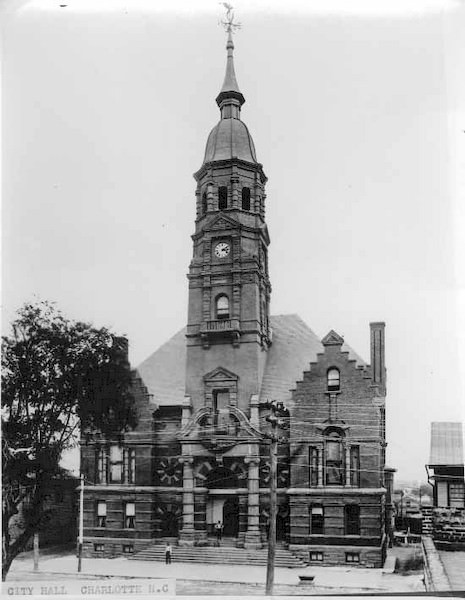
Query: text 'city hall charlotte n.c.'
x,y
199,454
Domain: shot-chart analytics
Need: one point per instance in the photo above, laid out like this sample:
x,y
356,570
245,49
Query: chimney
x,y
377,355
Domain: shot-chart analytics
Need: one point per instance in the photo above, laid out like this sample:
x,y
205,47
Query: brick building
x,y
198,455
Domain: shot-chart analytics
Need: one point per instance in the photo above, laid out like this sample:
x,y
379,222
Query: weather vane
x,y
229,24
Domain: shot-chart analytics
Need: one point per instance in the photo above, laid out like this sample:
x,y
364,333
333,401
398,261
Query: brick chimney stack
x,y
377,355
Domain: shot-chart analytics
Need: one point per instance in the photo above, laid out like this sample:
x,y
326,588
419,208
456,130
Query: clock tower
x,y
228,331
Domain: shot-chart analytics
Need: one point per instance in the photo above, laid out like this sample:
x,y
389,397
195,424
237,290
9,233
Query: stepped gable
x,y
294,347
164,371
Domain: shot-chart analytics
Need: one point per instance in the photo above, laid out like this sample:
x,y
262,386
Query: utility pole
x,y
81,523
36,551
278,410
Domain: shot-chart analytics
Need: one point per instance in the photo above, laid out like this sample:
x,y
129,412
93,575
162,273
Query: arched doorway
x,y
231,517
169,525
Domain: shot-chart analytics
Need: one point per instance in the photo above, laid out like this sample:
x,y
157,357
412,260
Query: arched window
x,y
223,197
222,307
352,519
334,379
245,198
204,203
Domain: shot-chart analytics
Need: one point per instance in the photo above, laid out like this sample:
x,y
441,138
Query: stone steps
x,y
219,555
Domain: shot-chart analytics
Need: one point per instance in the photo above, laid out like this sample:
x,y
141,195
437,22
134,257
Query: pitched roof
x,y
294,347
164,371
446,444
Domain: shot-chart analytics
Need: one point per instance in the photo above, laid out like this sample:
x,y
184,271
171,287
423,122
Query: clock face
x,y
222,250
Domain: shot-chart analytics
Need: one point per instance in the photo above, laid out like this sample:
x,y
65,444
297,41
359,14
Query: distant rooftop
x,y
446,444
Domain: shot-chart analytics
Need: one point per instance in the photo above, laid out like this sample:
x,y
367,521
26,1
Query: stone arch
x,y
221,478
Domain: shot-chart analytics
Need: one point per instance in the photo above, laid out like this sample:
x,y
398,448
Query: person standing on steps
x,y
218,531
168,554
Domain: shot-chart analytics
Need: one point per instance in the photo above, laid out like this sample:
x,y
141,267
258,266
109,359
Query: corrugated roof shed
x,y
294,347
446,444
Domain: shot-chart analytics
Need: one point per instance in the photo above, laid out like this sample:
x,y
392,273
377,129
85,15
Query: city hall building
x,y
199,454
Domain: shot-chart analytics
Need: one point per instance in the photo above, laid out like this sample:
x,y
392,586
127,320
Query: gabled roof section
x,y
222,221
446,444
164,371
294,347
332,339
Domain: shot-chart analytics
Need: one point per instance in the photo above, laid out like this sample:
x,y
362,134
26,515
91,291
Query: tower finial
x,y
229,24
230,93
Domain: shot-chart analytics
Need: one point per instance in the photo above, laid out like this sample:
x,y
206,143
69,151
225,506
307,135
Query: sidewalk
x,y
332,578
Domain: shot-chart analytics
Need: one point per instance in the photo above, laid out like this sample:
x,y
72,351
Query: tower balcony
x,y
220,328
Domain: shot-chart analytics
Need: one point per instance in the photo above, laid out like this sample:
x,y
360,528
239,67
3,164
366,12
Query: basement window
x,y
352,557
99,547
316,556
128,549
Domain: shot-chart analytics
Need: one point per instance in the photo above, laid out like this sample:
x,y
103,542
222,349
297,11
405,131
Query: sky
x,y
357,113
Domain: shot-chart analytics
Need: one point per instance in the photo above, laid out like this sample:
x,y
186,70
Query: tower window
x,y
245,198
317,520
352,519
222,307
204,203
223,197
334,380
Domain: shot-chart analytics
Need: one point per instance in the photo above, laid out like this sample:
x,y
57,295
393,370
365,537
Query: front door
x,y
231,517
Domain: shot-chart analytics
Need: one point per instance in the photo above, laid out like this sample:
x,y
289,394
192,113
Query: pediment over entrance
x,y
220,374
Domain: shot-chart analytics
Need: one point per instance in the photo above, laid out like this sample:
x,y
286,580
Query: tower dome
x,y
230,138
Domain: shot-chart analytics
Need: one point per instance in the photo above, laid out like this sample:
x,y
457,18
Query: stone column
x,y
200,515
252,536
347,451
243,515
321,457
186,535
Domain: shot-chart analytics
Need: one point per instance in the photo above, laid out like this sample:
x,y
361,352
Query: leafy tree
x,y
57,376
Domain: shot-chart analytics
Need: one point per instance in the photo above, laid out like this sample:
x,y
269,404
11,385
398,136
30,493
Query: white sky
x,y
356,110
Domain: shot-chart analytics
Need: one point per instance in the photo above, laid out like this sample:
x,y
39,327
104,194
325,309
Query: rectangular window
x,y
355,465
129,515
99,547
129,465
221,408
313,462
316,520
456,496
352,519
128,549
101,514
116,464
334,463
102,465
352,557
316,556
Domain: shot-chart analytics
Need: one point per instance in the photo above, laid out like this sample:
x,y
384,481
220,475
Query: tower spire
x,y
230,94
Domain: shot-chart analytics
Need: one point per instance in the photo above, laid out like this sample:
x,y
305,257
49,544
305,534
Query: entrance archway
x,y
221,478
231,517
169,525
